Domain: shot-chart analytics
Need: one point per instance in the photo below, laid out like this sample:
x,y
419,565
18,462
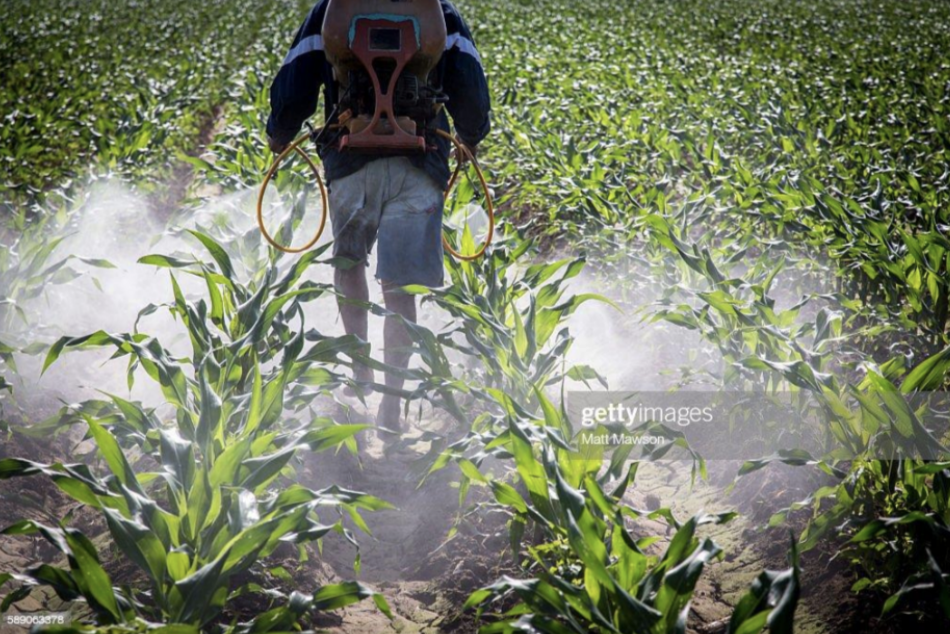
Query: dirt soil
x,y
409,557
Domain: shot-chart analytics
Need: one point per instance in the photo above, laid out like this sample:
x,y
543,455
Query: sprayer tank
x,y
424,16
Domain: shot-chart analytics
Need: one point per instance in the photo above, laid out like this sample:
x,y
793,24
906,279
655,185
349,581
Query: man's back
x,y
460,76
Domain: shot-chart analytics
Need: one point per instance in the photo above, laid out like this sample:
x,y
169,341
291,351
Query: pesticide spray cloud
x,y
113,224
116,224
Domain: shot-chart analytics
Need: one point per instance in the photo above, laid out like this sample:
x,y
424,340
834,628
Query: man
x,y
398,198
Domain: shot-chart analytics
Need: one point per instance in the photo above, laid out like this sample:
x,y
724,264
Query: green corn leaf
x,y
932,374
340,595
217,252
507,495
330,436
96,339
166,261
141,546
227,466
209,418
109,449
178,456
201,600
91,578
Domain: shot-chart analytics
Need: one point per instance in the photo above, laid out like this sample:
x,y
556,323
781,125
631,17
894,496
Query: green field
x,y
733,196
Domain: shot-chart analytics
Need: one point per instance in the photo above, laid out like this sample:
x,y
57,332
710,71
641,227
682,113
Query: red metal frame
x,y
394,137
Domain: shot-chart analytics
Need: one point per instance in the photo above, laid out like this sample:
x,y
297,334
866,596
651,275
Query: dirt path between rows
x,y
424,576
170,199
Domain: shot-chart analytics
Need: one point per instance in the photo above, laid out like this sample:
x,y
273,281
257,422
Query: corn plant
x,y
592,572
27,268
587,573
216,530
892,513
208,507
510,319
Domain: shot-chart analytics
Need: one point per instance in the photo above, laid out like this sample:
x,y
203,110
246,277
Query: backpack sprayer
x,y
382,53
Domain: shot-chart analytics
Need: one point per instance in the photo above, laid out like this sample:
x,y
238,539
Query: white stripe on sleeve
x,y
306,45
464,44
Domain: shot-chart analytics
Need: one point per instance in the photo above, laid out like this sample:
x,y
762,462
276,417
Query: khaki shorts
x,y
402,205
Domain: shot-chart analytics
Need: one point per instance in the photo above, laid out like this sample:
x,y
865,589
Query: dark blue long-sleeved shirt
x,y
294,94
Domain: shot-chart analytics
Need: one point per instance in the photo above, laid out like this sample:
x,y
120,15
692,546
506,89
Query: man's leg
x,y
396,351
410,252
351,284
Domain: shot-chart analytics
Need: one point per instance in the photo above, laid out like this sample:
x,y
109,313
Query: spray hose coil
x,y
462,154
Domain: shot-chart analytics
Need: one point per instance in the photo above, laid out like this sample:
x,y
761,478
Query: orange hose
x,y
462,151
295,146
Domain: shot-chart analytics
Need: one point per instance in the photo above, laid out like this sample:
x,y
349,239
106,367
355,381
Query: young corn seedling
x,y
211,502
587,573
892,513
509,321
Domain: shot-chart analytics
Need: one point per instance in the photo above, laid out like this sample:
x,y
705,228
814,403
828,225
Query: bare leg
x,y
396,351
351,283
